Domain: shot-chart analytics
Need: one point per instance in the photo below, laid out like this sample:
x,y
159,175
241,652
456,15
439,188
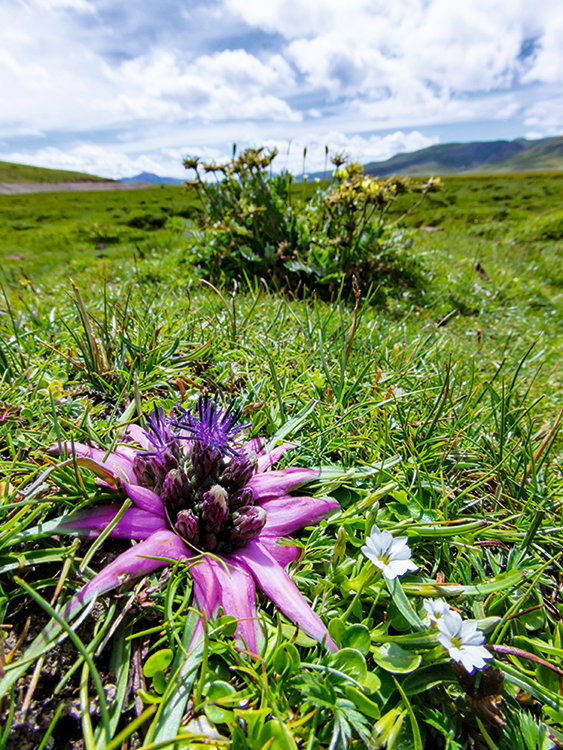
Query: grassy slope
x,y
546,155
496,157
10,172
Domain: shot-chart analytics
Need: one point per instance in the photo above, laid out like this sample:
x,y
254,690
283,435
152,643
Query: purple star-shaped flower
x,y
193,491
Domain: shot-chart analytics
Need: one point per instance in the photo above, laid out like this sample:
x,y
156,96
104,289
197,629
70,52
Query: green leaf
x,y
300,639
533,620
159,682
225,625
428,677
372,683
336,629
216,692
362,703
292,425
254,720
357,636
286,659
397,620
148,697
158,662
394,659
490,586
276,736
351,662
403,604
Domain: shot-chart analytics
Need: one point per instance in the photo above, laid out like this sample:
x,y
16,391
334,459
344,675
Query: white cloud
x,y
356,147
419,60
547,62
91,159
116,163
51,73
424,58
81,66
547,115
82,6
228,85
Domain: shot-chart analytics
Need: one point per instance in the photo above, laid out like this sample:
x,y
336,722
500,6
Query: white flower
x,y
392,556
463,641
435,610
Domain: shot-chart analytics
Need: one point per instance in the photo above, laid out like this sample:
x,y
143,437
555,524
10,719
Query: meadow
x,y
428,407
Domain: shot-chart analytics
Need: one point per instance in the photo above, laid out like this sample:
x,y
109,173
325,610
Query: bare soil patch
x,y
16,188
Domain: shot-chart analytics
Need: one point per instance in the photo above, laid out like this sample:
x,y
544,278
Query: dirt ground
x,y
16,188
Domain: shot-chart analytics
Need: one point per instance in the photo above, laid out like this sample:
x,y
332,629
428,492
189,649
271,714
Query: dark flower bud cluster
x,y
204,487
151,469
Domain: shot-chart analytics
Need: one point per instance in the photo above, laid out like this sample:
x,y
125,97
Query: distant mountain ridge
x,y
473,158
153,179
478,157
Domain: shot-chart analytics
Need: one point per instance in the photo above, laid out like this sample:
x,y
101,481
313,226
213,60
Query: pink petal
x,y
145,499
100,470
206,596
237,595
136,433
256,445
269,459
135,523
206,588
282,553
106,465
126,451
130,565
119,461
276,483
278,586
288,514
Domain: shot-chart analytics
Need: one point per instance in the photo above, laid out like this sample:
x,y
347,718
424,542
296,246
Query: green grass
x,y
11,172
440,407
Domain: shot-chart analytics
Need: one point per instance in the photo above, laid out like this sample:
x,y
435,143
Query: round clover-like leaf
x,y
357,636
216,692
336,629
371,683
392,658
226,626
158,662
159,682
351,662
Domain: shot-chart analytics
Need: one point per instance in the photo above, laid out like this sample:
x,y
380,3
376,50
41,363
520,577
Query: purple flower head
x,y
160,430
198,495
212,426
161,452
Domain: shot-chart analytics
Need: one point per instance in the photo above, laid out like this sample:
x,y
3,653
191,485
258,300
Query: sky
x,y
114,87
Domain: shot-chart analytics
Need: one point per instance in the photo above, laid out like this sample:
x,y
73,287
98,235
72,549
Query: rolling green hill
x,y
10,172
482,157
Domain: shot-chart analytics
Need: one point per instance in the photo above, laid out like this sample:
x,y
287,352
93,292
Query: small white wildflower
x,y
435,610
463,641
391,556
